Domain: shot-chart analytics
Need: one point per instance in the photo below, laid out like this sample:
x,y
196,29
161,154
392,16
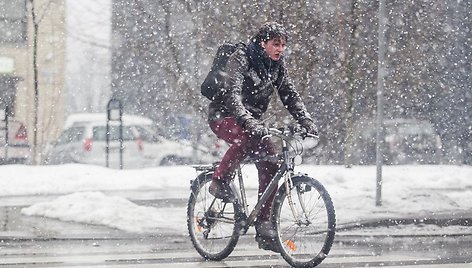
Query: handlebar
x,y
290,132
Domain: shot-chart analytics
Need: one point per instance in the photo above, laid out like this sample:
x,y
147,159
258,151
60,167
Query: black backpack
x,y
214,80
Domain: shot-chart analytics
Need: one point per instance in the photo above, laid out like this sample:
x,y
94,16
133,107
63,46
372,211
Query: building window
x,y
13,21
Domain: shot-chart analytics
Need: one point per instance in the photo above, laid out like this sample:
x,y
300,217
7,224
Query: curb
x,y
442,222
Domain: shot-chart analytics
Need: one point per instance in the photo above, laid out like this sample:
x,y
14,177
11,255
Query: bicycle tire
x,y
214,233
307,241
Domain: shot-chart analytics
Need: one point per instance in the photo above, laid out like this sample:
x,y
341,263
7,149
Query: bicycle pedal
x,y
267,244
241,222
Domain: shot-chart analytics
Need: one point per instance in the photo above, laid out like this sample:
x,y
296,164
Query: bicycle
x,y
302,212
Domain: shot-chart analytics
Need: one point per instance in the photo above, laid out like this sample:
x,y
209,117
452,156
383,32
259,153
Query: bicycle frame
x,y
285,170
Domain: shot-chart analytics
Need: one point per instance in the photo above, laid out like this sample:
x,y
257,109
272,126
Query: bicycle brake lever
x,y
266,136
313,136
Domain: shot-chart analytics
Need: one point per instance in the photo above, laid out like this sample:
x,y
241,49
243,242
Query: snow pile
x,y
112,211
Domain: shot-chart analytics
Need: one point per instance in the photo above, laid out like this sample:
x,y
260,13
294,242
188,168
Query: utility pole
x,y
380,100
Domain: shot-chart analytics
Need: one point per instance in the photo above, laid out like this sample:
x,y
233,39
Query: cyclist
x,y
253,74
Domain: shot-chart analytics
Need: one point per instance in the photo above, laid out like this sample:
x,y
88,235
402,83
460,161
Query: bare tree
x,y
331,56
347,26
36,22
43,117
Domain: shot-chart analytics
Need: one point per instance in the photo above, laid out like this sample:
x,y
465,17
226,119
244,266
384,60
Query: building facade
x,y
17,79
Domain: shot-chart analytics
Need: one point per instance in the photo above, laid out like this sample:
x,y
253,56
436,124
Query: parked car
x,y
101,117
407,141
84,141
158,150
18,149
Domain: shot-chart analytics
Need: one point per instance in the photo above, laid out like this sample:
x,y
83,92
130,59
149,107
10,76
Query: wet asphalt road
x,y
42,242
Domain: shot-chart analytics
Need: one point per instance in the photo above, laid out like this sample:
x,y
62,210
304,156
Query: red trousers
x,y
242,145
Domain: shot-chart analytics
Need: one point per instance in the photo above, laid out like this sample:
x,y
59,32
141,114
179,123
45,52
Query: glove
x,y
255,128
309,126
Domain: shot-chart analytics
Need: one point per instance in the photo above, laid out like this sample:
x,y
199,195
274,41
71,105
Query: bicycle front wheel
x,y
305,222
211,222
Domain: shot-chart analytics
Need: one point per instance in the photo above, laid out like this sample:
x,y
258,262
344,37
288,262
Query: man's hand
x,y
255,128
309,126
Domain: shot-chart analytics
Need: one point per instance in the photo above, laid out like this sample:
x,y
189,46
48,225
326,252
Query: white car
x,y
101,118
86,143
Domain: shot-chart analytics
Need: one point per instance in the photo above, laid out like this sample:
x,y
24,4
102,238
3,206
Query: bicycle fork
x,y
289,186
298,218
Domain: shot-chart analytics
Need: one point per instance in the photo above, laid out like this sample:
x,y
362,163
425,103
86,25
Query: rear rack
x,y
206,167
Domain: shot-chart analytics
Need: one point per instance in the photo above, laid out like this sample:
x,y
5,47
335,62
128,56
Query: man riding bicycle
x,y
253,74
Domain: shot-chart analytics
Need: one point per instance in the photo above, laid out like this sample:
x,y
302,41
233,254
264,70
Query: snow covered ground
x,y
85,193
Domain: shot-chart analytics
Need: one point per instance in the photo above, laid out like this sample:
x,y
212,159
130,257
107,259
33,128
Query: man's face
x,y
274,48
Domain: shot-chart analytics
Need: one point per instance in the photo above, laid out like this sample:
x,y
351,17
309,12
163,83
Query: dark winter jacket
x,y
251,79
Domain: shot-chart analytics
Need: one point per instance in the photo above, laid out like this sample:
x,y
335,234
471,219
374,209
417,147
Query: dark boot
x,y
265,236
221,190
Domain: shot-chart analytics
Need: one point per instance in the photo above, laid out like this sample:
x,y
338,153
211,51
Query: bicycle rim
x,y
211,222
305,237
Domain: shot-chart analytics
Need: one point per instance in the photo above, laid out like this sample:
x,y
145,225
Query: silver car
x,y
407,141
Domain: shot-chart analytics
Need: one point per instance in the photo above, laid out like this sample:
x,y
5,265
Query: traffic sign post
x,y
4,114
114,113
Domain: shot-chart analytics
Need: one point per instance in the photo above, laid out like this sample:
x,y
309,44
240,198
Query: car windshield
x,y
71,134
414,129
99,133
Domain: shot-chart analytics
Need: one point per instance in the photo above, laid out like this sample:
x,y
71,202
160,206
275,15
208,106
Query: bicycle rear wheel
x,y
211,222
305,222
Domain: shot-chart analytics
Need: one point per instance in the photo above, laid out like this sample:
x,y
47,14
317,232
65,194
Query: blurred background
x,y
63,57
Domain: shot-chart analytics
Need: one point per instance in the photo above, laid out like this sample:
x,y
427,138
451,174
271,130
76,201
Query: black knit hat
x,y
270,30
